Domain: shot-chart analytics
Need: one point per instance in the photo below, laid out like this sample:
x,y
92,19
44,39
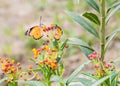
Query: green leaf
x,y
64,44
117,60
110,37
112,13
34,83
92,17
100,81
86,25
86,50
57,79
71,77
89,75
97,83
83,81
113,6
75,85
93,4
82,45
55,43
2,80
113,78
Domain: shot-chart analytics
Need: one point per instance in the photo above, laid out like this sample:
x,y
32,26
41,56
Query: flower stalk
x,y
102,30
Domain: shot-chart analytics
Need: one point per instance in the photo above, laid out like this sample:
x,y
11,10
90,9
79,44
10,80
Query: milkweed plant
x,y
48,57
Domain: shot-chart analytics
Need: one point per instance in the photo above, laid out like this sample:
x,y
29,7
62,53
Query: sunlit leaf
x,y
86,25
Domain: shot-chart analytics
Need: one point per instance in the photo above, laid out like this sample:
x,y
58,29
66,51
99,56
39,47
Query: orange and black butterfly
x,y
58,32
38,31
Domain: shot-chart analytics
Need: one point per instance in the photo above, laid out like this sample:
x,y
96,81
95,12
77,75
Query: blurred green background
x,y
16,16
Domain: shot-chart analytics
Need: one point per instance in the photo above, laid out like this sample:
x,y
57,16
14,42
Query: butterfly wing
x,y
35,32
58,32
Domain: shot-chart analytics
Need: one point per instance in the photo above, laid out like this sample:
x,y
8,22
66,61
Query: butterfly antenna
x,y
40,21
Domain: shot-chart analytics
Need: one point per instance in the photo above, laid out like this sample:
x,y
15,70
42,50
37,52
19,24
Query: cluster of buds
x,y
8,66
107,65
94,55
52,63
48,28
45,48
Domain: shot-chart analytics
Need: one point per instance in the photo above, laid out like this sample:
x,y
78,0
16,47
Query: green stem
x,y
62,84
102,38
13,83
102,30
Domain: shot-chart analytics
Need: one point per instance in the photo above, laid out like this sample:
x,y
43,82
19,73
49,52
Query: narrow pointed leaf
x,y
113,6
2,80
34,83
57,79
93,4
100,81
112,13
92,17
97,83
117,60
86,25
86,50
89,75
82,45
113,78
83,81
63,44
71,77
110,37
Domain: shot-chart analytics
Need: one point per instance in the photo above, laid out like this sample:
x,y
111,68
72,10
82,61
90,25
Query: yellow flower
x,y
36,53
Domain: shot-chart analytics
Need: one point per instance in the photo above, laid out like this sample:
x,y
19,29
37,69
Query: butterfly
x,y
38,32
58,32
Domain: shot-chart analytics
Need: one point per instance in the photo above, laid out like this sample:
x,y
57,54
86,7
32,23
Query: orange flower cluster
x,y
48,28
52,63
45,48
8,66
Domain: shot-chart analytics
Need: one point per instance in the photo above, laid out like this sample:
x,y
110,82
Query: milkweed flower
x,y
36,52
10,69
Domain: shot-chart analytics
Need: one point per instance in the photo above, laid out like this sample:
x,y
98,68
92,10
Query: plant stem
x,y
102,30
13,84
102,38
